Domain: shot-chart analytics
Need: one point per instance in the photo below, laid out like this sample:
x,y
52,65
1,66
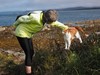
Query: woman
x,y
26,26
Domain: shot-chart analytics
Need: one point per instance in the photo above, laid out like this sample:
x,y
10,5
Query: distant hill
x,y
79,8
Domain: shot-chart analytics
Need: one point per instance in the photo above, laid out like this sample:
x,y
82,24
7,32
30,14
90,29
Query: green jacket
x,y
28,25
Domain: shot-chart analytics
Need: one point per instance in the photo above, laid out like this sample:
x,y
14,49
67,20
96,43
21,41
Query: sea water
x,y
8,18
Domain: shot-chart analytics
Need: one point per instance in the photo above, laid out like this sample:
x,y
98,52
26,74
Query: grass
x,y
51,58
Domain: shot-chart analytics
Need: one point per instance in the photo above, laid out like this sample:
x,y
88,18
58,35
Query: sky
x,y
22,5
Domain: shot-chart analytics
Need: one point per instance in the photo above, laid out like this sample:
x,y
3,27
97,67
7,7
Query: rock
x,y
98,33
17,56
2,28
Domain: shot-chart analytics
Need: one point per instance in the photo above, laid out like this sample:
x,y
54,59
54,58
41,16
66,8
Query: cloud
x,y
7,5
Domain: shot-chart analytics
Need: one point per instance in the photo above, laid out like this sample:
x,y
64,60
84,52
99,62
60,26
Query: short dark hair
x,y
50,15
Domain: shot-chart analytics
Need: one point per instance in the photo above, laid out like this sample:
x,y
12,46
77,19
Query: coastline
x,y
46,41
7,37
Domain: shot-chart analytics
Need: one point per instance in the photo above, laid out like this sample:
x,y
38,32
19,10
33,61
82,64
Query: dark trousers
x,y
27,46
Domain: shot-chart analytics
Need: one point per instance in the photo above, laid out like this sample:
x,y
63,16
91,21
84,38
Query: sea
x,y
65,16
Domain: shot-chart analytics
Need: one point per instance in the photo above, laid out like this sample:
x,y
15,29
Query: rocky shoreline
x,y
43,41
9,44
8,40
